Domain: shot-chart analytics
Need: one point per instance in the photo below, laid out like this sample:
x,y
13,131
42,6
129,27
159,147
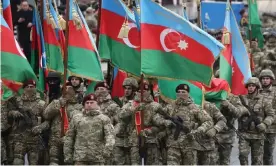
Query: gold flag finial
x,y
226,37
1,8
76,19
50,19
124,31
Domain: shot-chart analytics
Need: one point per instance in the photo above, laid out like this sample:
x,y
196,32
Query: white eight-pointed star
x,y
182,45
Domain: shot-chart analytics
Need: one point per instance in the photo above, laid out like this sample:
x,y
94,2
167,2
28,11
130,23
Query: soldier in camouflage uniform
x,y
269,60
107,105
266,78
257,54
182,150
29,126
122,149
231,108
77,84
268,20
207,155
130,86
4,127
131,115
252,127
90,138
53,113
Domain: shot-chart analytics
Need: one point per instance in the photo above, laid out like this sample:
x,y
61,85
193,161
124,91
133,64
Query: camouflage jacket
x,y
270,93
257,55
53,114
110,109
192,116
4,116
124,100
32,110
231,112
260,107
219,124
89,135
152,120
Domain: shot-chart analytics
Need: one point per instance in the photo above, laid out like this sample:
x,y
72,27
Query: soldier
x,y
268,20
90,138
131,115
207,155
182,147
107,105
231,108
53,113
77,84
4,127
266,78
122,149
29,127
257,54
54,81
130,86
252,127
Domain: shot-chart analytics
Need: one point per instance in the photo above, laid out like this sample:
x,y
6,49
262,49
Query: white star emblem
x,y
182,45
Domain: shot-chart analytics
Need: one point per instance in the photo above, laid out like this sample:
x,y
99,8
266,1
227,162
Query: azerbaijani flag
x,y
118,79
172,47
168,94
38,42
234,60
83,60
218,91
124,52
54,38
15,68
7,13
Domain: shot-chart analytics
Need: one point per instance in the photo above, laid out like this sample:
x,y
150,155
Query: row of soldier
x,y
102,132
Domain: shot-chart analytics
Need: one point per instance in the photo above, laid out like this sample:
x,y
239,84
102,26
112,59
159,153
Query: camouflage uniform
x,y
208,156
4,127
269,60
152,122
89,139
257,55
269,145
183,150
27,139
251,130
122,130
231,109
53,114
268,20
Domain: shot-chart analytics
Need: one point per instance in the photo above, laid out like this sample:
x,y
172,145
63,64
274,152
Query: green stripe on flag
x,y
225,70
126,58
171,65
54,58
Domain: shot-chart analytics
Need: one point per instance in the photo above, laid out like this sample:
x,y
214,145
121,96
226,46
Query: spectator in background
x,y
24,22
90,18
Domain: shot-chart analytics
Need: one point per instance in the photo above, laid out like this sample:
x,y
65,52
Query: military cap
x,y
101,84
255,81
89,97
130,82
182,87
29,82
267,73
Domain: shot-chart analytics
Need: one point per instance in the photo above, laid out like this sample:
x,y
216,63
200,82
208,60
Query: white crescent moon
x,y
163,34
126,40
19,49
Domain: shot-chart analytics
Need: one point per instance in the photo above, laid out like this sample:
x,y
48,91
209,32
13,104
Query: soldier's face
x,y
101,89
251,88
75,81
254,44
266,81
183,94
90,105
128,91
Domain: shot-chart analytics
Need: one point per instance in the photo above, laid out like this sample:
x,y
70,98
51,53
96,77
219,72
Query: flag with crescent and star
x,y
123,50
172,47
83,59
54,37
15,68
234,60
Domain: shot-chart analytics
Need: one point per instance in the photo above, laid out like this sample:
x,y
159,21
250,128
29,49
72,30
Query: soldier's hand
x,y
261,127
211,133
224,103
17,114
36,130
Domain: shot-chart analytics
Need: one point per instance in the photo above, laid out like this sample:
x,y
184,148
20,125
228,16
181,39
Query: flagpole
x,y
199,14
142,138
41,12
99,25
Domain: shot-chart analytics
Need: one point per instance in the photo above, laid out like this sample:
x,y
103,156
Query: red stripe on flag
x,y
49,34
9,44
111,24
79,37
195,51
117,88
8,16
238,86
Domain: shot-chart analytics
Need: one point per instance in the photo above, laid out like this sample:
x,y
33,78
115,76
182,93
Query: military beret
x,y
145,85
29,82
89,97
101,84
182,87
